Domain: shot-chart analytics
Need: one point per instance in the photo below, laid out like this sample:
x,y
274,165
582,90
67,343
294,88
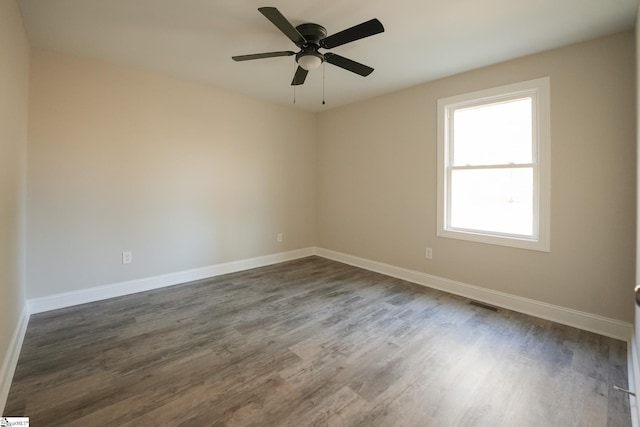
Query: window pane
x,y
493,200
493,134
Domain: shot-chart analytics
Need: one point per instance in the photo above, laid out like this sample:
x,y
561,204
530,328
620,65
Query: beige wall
x,y
636,324
182,175
635,409
377,181
187,176
14,94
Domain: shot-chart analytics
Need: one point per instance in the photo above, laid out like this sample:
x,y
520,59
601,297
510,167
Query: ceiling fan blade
x,y
348,64
262,55
299,77
358,32
277,19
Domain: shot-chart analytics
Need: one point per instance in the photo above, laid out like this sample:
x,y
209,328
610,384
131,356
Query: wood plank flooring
x,y
312,342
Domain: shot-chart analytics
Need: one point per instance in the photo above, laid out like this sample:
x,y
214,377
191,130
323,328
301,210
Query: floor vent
x,y
483,305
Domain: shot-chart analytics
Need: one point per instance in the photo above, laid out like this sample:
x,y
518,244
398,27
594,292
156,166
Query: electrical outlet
x,y
428,253
279,237
127,258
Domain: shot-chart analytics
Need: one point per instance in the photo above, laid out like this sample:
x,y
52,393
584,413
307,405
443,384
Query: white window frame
x,y
538,90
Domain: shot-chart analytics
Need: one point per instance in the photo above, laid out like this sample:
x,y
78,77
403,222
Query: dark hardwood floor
x,y
312,342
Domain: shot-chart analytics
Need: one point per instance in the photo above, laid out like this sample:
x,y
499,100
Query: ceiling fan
x,y
310,38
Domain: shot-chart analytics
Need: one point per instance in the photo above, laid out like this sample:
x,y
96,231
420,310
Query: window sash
x,y
535,200
451,118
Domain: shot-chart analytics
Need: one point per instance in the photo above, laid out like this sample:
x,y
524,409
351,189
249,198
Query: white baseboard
x,y
579,319
82,296
633,371
10,360
566,316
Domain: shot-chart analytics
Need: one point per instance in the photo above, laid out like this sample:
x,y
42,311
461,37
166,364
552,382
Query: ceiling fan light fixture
x,y
310,60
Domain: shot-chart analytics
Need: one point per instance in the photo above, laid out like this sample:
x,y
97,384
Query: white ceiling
x,y
423,39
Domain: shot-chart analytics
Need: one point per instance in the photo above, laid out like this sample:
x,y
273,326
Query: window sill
x,y
509,241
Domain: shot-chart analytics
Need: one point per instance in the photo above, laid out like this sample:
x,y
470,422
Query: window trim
x,y
539,90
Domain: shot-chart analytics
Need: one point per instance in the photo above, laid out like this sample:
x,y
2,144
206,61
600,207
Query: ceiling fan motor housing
x,y
313,33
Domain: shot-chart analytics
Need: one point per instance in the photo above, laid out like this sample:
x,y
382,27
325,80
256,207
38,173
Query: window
x,y
493,165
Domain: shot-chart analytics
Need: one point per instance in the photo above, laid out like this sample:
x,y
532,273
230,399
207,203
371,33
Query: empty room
x,y
412,213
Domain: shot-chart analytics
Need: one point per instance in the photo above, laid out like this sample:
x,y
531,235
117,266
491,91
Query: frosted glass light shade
x,y
310,61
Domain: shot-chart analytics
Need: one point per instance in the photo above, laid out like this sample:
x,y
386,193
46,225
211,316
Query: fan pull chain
x,y
323,73
295,66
